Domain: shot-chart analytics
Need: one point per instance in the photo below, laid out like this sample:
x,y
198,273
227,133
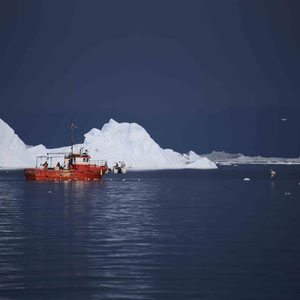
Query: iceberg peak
x,y
112,121
8,137
13,151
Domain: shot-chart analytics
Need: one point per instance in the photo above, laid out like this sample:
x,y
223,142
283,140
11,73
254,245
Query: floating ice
x,y
227,159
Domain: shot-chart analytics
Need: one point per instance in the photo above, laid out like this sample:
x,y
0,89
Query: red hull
x,y
91,173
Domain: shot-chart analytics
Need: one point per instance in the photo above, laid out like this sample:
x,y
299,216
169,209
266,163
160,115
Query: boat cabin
x,y
72,160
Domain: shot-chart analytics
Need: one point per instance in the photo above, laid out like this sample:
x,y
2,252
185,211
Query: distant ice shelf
x,y
223,158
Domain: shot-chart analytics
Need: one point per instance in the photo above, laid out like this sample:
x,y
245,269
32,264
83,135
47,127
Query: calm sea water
x,y
184,234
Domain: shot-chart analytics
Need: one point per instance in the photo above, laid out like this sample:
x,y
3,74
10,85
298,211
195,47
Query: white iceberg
x,y
128,142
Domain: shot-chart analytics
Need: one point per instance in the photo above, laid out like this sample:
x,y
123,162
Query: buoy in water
x,y
273,173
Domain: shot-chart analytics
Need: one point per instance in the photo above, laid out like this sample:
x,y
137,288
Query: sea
x,y
167,234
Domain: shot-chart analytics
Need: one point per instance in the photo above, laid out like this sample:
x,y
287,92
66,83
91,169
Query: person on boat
x,y
45,165
57,166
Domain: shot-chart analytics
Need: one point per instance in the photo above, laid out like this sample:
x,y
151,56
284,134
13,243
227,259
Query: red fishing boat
x,y
76,166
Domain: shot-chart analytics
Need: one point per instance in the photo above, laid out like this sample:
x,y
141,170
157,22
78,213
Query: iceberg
x,y
128,142
223,158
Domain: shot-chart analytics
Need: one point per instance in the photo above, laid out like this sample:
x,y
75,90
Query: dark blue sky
x,y
202,75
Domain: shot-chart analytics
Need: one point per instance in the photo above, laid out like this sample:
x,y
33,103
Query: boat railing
x,y
100,163
51,157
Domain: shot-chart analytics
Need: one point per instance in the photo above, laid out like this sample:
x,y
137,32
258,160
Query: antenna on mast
x,y
72,135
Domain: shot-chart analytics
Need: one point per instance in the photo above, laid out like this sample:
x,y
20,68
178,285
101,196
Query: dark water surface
x,y
184,234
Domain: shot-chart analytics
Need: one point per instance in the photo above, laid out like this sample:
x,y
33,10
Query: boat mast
x,y
72,136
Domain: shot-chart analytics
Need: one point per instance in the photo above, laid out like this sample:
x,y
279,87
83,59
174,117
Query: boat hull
x,y
35,174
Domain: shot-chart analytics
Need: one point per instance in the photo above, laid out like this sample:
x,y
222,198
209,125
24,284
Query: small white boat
x,y
119,167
